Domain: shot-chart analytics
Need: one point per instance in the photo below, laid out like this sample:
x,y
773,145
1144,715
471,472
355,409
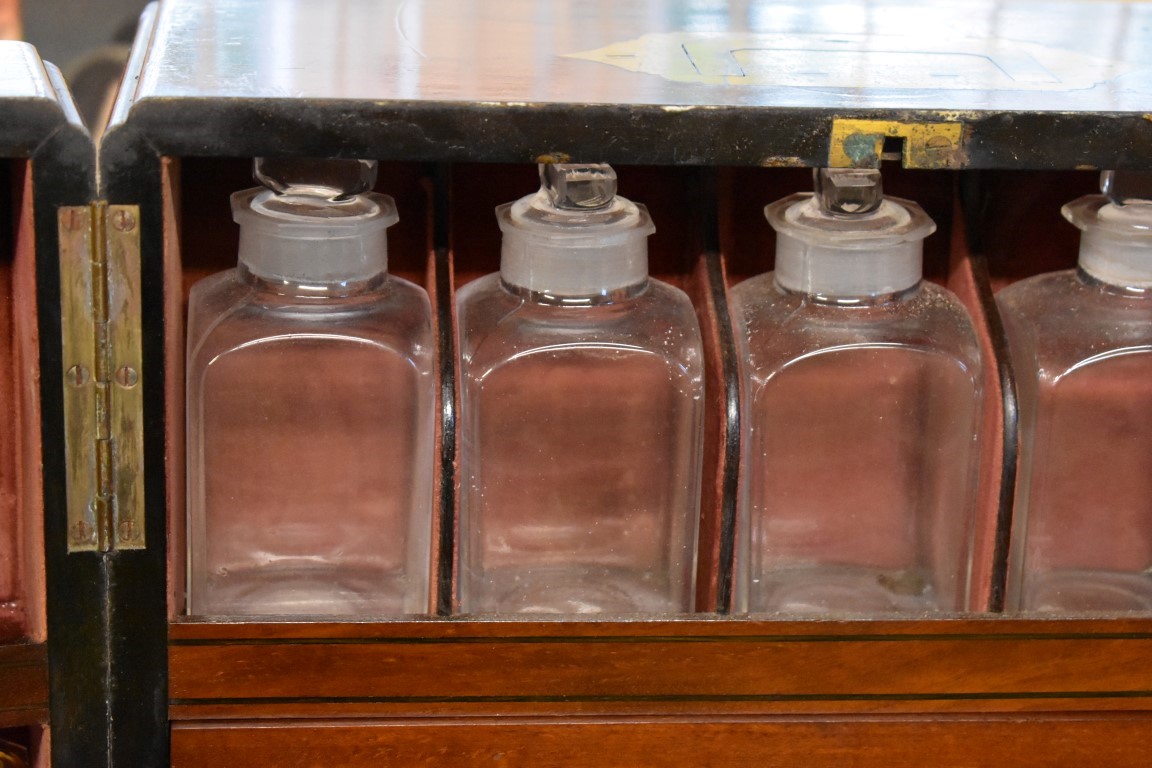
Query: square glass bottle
x,y
861,397
581,383
1081,346
310,408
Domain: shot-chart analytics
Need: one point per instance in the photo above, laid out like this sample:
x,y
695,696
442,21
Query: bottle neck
x,y
563,265
603,298
309,266
1125,291
841,275
1120,262
862,301
310,290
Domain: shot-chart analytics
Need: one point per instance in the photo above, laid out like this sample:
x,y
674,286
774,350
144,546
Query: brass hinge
x,y
103,388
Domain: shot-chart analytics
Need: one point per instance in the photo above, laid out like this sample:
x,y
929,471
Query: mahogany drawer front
x,y
1068,740
23,685
677,667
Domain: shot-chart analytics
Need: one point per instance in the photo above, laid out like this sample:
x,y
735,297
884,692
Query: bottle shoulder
x,y
1058,299
774,327
226,313
497,326
1058,322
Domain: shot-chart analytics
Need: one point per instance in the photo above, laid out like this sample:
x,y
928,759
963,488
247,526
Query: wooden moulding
x,y
1118,742
693,666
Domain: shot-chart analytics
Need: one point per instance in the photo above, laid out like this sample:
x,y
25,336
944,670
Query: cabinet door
x,y
51,602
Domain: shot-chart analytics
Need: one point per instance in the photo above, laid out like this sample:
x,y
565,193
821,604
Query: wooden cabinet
x,y
991,116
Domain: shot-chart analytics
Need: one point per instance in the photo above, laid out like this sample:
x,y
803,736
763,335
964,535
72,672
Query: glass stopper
x,y
327,178
575,187
851,191
1124,187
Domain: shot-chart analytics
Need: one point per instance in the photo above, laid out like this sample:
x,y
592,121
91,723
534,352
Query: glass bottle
x,y
581,384
310,407
1081,345
861,397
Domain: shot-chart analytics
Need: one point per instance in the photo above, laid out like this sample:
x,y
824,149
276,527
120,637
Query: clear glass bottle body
x,y
310,424
580,445
860,451
1082,521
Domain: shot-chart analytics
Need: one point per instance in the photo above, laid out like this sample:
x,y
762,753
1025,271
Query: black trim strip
x,y
446,339
731,455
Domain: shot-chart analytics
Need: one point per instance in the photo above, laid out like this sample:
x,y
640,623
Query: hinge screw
x,y
78,376
123,221
83,533
75,218
127,377
127,530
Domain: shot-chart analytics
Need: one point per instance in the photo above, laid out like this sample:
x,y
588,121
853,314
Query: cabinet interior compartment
x,y
1090,421
200,239
747,244
457,690
678,201
21,495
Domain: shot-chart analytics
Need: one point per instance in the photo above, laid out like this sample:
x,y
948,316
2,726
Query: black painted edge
x,y
732,434
625,134
137,579
446,507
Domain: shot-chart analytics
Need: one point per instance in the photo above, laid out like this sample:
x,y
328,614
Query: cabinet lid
x,y
664,81
34,99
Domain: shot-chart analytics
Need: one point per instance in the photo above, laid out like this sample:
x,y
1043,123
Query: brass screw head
x,y
123,221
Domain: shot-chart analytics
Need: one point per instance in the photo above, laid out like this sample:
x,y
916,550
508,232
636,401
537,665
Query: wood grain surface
x,y
1072,740
703,666
23,685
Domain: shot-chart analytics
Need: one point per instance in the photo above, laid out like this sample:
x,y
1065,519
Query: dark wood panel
x,y
1075,740
704,666
23,685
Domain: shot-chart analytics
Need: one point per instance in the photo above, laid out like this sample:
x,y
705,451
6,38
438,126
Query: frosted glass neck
x,y
308,239
1116,244
848,255
562,252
